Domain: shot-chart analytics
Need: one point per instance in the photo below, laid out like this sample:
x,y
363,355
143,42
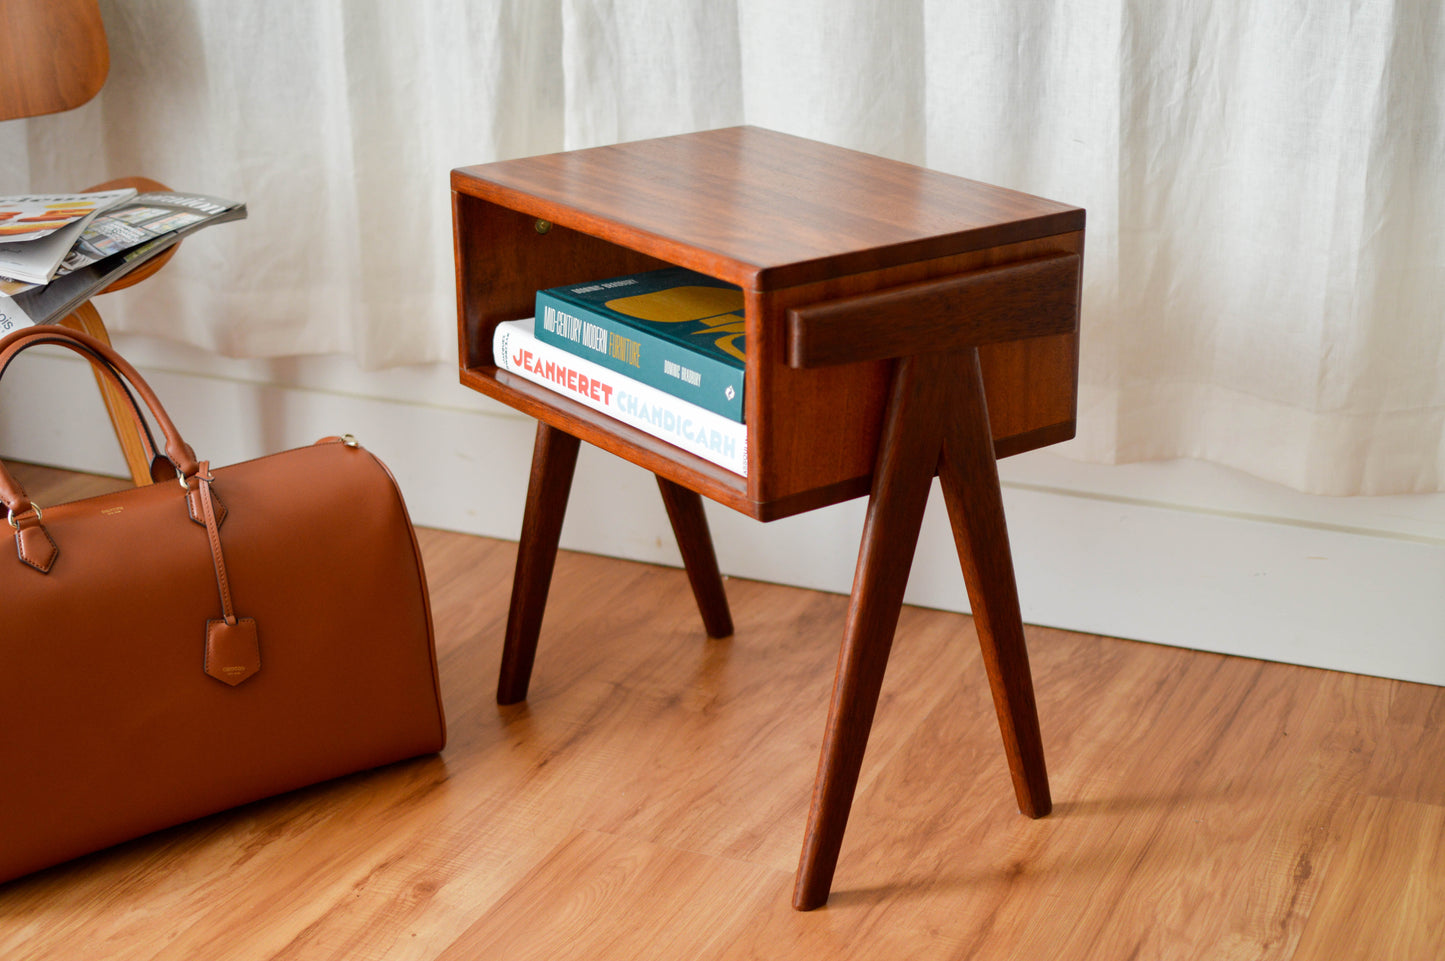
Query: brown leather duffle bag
x,y
217,637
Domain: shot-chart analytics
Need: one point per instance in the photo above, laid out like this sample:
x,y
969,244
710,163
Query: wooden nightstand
x,y
901,323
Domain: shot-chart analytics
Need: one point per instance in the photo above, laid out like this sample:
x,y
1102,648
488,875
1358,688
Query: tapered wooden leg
x,y
554,459
694,540
969,476
907,460
133,446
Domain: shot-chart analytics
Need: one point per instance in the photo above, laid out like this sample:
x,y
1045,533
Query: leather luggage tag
x,y
35,545
233,651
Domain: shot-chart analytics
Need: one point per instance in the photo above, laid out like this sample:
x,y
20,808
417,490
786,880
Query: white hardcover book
x,y
694,429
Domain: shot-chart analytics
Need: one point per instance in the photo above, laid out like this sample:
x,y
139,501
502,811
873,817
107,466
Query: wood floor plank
x,y
611,897
697,741
48,485
699,752
1192,844
648,801
1415,730
1384,896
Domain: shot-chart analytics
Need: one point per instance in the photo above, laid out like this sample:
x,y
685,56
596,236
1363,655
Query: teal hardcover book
x,y
673,329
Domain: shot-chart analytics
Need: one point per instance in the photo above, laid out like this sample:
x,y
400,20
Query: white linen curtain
x,y
1265,182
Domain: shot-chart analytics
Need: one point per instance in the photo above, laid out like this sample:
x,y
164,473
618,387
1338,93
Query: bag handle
x,y
232,652
160,468
177,451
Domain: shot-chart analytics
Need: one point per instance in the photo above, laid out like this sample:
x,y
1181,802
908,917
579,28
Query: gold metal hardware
x,y
10,514
542,226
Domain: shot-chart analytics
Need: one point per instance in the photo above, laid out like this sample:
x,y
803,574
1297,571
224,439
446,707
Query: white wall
x,y
1180,553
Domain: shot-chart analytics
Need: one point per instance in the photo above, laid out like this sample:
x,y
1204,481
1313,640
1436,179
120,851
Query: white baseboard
x,y
1184,553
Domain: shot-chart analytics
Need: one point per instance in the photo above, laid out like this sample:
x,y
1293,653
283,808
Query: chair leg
x,y
907,461
554,459
968,474
694,540
86,319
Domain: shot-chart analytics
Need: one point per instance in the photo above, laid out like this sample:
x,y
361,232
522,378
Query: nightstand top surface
x,y
763,209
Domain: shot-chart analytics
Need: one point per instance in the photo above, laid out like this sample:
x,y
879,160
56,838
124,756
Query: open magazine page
x,y
32,246
32,216
115,243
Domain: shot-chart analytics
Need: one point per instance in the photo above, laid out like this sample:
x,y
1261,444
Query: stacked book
x,y
662,351
59,250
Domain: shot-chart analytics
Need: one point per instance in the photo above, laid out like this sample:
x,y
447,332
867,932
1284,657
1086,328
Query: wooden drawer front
x,y
1018,301
815,417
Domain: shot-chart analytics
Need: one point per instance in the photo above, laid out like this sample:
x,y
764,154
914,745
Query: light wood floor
x,y
648,802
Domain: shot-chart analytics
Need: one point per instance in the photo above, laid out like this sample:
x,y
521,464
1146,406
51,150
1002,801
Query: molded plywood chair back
x,y
54,56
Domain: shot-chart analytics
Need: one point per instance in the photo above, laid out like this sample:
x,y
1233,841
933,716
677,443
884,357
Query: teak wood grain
x,y
1019,301
907,460
792,222
1211,808
554,460
694,542
765,210
968,476
937,423
870,290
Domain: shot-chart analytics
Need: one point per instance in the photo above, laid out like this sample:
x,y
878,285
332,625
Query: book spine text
x,y
698,431
641,355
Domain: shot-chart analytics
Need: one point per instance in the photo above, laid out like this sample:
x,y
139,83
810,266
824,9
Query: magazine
x,y
117,241
37,231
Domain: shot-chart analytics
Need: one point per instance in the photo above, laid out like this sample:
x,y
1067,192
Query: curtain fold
x,y
1265,184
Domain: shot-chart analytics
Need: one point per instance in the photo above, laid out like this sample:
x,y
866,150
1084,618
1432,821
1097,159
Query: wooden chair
x,y
54,57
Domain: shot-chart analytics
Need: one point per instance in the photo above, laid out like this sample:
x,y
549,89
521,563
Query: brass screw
x,y
543,226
